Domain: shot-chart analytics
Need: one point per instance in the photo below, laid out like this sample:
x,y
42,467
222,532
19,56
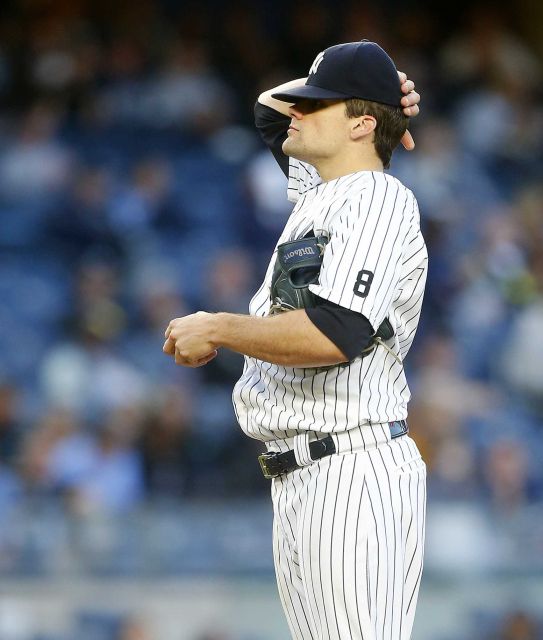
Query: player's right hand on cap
x,y
410,103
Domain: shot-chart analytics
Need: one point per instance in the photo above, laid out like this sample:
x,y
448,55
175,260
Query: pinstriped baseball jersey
x,y
375,263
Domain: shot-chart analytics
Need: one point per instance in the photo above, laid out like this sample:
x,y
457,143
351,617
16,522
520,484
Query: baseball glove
x,y
298,265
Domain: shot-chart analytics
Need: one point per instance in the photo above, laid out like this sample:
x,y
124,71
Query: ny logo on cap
x,y
316,63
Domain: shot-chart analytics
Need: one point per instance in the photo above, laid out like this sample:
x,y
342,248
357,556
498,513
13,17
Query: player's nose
x,y
294,111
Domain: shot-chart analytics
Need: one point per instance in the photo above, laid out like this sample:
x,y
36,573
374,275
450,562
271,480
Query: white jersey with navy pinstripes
x,y
375,263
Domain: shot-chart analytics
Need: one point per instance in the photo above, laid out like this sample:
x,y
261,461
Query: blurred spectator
x,y
35,165
146,202
488,287
86,376
228,286
230,280
156,301
165,443
53,65
520,625
507,473
114,483
84,372
10,425
57,436
522,353
93,471
80,224
527,217
443,403
98,295
118,101
266,185
184,93
133,628
15,619
499,76
486,48
11,435
451,186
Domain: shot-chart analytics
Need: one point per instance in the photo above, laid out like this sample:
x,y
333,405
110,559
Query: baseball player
x,y
323,384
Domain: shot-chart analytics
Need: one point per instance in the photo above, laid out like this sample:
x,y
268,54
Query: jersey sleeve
x,y
362,261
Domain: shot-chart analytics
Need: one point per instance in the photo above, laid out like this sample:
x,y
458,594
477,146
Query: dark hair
x,y
391,124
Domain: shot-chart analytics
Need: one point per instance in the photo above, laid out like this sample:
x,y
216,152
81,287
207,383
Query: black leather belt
x,y
276,464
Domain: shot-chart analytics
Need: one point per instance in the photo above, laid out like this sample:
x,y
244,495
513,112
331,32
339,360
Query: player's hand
x,y
410,103
187,340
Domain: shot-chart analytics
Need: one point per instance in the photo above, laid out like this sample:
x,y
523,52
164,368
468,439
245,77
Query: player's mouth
x,y
291,129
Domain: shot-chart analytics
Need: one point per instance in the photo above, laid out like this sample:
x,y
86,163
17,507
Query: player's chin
x,y
292,149
289,147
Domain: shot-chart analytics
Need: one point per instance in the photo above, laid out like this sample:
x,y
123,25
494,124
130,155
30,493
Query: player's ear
x,y
362,126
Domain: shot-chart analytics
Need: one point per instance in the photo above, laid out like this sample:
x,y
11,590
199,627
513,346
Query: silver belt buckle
x,y
263,459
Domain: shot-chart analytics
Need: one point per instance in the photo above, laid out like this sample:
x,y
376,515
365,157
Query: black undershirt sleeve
x,y
350,331
272,127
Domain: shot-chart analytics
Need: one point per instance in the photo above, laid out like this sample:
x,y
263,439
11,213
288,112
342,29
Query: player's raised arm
x,y
266,99
272,120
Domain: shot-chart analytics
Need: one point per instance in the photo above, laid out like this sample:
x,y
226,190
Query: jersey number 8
x,y
363,282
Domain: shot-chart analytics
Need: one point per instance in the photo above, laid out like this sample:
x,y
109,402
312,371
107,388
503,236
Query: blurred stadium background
x,y
133,189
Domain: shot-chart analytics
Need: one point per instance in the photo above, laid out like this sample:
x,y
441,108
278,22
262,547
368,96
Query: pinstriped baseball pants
x,y
348,543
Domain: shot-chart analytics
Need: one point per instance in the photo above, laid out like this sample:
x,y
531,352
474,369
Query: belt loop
x,y
301,449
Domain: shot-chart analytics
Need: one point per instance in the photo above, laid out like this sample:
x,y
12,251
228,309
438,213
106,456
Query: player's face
x,y
319,129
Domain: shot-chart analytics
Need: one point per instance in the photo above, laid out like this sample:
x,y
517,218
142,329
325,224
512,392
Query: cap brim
x,y
309,91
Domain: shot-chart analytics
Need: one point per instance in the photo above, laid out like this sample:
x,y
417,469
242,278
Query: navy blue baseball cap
x,y
351,70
